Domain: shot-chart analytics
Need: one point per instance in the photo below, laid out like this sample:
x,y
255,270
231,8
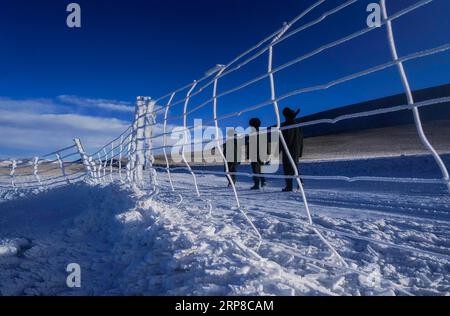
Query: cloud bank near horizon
x,y
36,126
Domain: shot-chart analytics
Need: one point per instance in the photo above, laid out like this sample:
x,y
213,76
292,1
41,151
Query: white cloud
x,y
104,104
31,127
30,105
40,133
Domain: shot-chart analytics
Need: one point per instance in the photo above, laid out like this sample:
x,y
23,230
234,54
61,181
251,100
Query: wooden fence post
x,y
148,132
84,158
139,155
61,165
111,162
36,169
13,171
120,157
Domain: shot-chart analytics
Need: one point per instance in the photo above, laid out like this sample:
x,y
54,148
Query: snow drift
x,y
394,239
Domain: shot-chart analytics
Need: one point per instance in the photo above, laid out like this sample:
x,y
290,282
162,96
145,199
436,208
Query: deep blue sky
x,y
146,47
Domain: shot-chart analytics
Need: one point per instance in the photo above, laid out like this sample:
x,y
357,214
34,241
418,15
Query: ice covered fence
x,y
130,158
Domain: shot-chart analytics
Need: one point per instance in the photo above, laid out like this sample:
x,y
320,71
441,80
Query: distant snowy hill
x,y
383,135
429,113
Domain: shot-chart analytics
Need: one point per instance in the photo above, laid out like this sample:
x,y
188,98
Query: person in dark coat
x,y
234,160
254,158
294,142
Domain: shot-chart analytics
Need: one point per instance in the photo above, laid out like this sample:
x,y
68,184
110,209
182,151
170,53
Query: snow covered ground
x,y
394,237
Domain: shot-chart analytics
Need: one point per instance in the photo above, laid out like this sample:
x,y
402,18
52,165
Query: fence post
x,y
139,155
120,157
61,165
35,169
129,155
111,162
13,171
100,167
105,164
84,158
131,165
94,168
148,133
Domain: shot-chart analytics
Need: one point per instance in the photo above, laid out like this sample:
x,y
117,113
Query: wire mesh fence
x,y
143,152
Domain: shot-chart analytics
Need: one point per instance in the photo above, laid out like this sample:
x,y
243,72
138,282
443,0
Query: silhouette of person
x,y
255,161
294,141
233,157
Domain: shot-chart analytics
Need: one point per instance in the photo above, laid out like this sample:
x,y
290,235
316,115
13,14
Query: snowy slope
x,y
395,239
